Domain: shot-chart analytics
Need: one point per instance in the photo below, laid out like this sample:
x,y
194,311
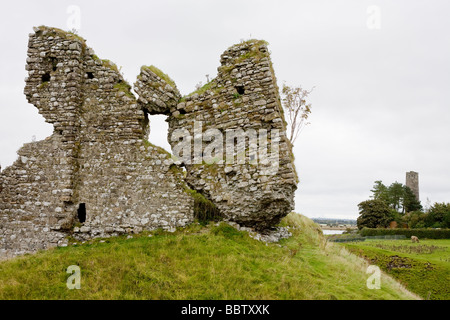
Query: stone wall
x,y
254,192
98,176
32,213
96,161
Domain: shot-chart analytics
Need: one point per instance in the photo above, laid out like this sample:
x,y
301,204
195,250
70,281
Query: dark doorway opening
x,y
82,212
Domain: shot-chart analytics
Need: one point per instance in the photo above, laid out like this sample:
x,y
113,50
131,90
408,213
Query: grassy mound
x,y
197,262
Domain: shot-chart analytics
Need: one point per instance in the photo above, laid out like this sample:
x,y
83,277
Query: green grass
x,y
204,210
44,84
212,262
161,74
253,51
201,90
124,87
111,65
424,268
70,35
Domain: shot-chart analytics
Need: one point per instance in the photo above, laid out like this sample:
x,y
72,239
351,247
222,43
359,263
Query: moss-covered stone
x,y
160,74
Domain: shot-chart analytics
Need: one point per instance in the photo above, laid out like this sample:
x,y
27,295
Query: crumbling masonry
x,y
97,176
412,181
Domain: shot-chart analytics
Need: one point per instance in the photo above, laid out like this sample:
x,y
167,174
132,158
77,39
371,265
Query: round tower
x,y
412,181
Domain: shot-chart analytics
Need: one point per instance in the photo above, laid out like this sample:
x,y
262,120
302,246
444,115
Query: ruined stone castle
x,y
98,176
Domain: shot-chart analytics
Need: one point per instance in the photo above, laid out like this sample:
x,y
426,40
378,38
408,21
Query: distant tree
x,y
415,219
397,197
396,216
380,191
427,205
438,216
402,207
298,110
373,214
396,193
410,202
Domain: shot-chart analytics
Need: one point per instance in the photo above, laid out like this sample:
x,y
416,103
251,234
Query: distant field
x,y
423,268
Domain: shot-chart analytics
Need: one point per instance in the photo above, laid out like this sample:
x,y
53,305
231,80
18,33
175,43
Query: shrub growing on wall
x,y
204,209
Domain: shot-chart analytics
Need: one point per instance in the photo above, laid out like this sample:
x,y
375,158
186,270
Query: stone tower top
x,y
412,181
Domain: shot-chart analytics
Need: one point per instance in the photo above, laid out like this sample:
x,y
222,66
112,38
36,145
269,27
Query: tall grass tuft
x,y
204,210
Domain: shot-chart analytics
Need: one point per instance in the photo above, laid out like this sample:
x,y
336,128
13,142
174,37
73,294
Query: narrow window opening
x,y
46,77
159,129
90,75
145,123
54,63
240,89
82,212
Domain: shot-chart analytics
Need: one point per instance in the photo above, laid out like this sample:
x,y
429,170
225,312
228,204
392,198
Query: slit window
x,y
54,62
82,212
46,77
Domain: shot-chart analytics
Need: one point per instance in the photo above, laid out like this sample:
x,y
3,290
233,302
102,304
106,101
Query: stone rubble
x,y
271,235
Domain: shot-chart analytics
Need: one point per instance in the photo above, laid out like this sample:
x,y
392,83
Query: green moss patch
x,y
124,87
204,209
161,74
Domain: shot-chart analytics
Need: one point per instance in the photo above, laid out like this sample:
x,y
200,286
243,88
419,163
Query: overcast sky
x,y
380,69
